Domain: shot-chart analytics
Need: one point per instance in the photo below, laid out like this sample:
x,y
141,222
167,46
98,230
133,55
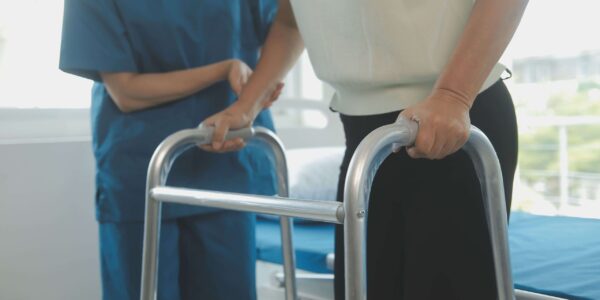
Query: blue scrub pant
x,y
209,256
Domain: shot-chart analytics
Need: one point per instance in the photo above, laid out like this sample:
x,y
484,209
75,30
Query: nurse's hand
x,y
238,74
274,96
444,125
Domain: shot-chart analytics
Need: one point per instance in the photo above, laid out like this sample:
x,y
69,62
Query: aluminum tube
x,y
158,170
280,277
272,142
364,164
524,295
317,210
488,170
150,251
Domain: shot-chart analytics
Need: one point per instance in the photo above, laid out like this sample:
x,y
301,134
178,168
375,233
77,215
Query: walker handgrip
x,y
413,129
244,133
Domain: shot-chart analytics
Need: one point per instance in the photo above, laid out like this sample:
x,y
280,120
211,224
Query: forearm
x,y
490,28
135,91
279,54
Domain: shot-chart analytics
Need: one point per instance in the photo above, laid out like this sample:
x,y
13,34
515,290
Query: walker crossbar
x,y
316,210
353,213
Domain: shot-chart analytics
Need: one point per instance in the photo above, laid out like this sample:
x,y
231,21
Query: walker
x,y
352,213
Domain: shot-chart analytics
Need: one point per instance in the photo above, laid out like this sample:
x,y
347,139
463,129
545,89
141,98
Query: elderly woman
x,y
435,62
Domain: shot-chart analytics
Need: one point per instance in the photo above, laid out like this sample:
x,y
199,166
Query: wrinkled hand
x,y
238,115
235,116
238,75
444,125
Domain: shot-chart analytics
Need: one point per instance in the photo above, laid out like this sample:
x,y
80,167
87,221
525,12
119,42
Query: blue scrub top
x,y
146,36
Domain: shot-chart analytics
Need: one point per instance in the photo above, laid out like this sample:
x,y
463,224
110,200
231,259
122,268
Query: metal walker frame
x,y
352,212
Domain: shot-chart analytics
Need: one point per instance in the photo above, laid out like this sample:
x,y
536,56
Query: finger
x,y
414,153
209,122
206,147
439,143
227,146
236,85
233,145
280,86
244,79
444,150
277,92
274,96
463,136
221,129
424,141
454,147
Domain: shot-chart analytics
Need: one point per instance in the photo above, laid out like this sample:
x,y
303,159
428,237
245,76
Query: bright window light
x,y
29,50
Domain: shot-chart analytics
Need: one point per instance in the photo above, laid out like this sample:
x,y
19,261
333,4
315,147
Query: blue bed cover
x,y
557,256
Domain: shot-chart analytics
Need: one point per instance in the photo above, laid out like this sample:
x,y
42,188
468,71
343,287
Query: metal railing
x,y
352,213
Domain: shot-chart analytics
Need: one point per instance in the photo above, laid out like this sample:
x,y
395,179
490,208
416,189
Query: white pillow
x,y
314,172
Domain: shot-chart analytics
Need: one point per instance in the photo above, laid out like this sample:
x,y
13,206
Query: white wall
x,y
48,232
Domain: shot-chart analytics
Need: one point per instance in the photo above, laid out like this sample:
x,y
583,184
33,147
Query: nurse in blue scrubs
x,y
159,67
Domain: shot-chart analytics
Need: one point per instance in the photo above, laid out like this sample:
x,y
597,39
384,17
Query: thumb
x,y
413,152
236,85
218,138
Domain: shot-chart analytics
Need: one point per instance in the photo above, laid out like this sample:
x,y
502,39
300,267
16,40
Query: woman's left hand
x,y
235,116
240,114
444,125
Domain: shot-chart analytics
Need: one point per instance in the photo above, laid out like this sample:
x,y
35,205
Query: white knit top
x,y
381,55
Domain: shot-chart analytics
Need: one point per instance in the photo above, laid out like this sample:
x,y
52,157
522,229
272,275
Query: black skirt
x,y
427,236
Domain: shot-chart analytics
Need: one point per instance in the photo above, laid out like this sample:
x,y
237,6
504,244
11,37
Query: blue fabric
x,y
214,268
148,36
312,242
557,256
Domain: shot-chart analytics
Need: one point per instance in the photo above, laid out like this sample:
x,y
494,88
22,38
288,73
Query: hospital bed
x,y
352,213
551,255
554,256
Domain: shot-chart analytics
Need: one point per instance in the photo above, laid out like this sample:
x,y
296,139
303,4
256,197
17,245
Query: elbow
x,y
124,103
115,85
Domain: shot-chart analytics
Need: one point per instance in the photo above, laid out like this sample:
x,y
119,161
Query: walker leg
x,y
363,166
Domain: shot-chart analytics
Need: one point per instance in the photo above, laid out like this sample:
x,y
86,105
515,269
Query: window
x,y
29,51
301,88
555,57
